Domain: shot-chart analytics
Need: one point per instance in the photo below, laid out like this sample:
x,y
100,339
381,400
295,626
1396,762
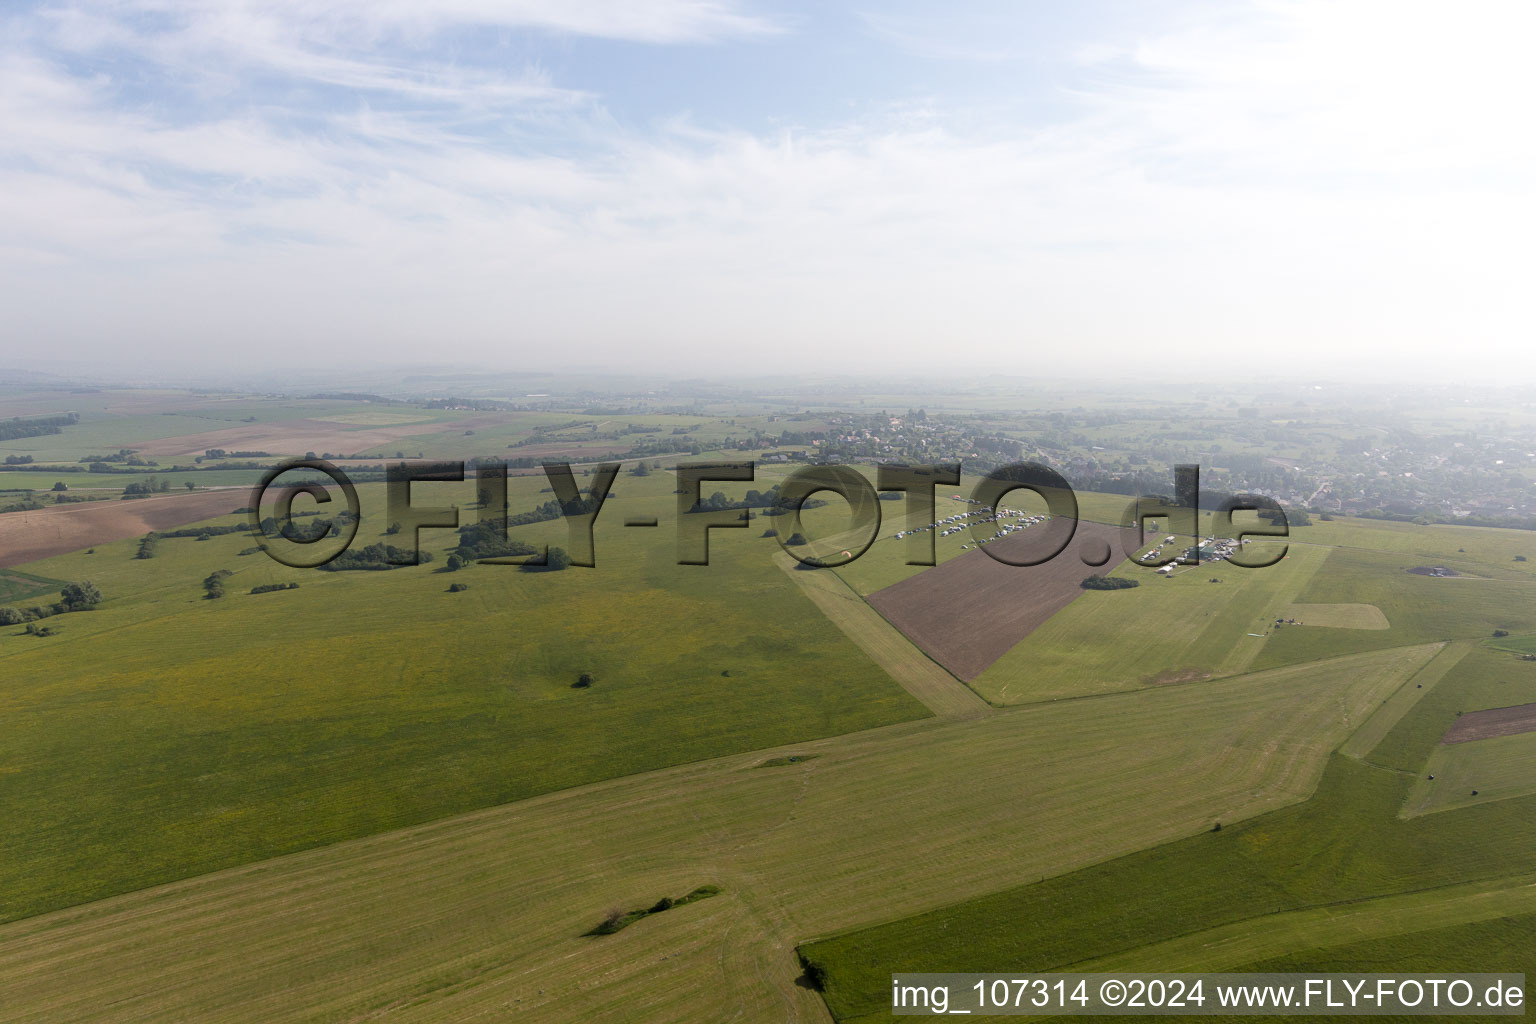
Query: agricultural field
x,y
1171,629
1417,608
27,537
877,765
927,812
176,427
1478,771
16,587
1310,885
973,609
364,701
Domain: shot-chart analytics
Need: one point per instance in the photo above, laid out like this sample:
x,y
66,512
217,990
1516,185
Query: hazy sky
x,y
726,184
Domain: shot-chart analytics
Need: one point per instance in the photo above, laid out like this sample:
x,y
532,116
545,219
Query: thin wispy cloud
x,y
1281,181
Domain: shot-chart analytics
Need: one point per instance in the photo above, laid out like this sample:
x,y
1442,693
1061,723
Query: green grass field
x,y
246,788
163,734
1514,644
1179,628
1418,608
18,587
487,911
1392,710
1291,878
1497,768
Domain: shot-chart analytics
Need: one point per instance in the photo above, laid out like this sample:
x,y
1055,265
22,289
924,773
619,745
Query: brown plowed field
x,y
295,437
968,612
27,536
1482,725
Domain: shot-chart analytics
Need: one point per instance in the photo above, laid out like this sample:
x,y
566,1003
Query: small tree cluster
x,y
1108,583
213,584
556,561
74,597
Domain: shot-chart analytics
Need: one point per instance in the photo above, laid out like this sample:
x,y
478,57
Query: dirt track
x,y
28,536
1482,725
968,612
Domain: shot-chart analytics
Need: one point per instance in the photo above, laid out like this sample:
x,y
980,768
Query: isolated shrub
x,y
392,529
770,532
556,561
61,486
454,588
795,540
213,584
1519,558
1501,632
455,563
616,918
583,681
815,973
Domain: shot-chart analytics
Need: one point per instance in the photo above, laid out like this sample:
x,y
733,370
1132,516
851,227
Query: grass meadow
x,y
486,912
371,795
1227,900
164,734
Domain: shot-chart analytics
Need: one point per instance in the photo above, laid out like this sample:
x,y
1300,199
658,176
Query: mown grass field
x,y
918,674
482,813
1239,946
163,734
1294,878
1472,773
1418,608
1345,581
17,587
1166,629
482,916
1339,616
1515,644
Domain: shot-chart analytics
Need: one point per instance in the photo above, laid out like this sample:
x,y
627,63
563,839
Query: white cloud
x,y
1299,181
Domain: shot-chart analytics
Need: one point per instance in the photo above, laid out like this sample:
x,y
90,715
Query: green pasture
x,y
484,915
1496,768
1167,629
1313,862
18,587
1419,608
164,734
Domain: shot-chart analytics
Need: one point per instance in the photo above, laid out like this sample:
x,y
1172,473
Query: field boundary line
x,y
909,666
1364,741
1341,917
